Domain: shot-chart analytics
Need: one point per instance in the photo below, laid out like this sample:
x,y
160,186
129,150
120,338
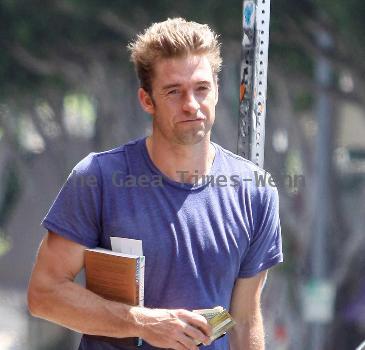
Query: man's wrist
x,y
137,320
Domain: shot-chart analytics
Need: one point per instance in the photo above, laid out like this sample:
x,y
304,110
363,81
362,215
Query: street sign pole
x,y
253,86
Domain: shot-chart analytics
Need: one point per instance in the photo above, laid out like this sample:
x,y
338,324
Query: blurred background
x,y
67,88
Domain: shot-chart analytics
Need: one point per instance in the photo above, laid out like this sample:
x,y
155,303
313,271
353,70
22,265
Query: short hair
x,y
173,38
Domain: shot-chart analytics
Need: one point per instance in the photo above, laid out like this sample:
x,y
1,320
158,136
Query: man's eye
x,y
203,88
173,92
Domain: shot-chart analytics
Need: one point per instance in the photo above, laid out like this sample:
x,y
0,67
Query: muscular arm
x,y
248,334
54,296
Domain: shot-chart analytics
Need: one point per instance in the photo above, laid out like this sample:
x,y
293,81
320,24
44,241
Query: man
x,y
209,233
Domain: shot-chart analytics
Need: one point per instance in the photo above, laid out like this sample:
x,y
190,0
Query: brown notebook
x,y
118,277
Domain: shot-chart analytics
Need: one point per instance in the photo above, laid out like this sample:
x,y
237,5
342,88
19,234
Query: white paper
x,y
127,245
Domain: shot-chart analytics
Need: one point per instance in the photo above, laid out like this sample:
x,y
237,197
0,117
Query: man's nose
x,y
191,103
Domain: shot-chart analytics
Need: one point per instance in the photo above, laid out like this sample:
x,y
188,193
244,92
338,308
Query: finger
x,y
187,342
179,346
198,321
196,334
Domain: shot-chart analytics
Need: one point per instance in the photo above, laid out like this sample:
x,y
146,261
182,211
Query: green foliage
x,y
11,187
347,17
293,58
293,169
80,115
72,30
5,244
296,10
303,101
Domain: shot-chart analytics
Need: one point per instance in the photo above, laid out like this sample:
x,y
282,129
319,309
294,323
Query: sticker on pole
x,y
249,14
318,301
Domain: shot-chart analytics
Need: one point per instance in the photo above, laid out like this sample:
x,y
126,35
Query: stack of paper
x,y
220,320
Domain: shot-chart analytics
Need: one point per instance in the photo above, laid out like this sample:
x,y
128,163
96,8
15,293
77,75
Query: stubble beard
x,y
191,136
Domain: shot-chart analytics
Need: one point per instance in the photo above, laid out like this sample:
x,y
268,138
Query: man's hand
x,y
174,329
53,295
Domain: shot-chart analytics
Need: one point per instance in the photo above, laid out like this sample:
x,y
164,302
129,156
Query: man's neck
x,y
181,163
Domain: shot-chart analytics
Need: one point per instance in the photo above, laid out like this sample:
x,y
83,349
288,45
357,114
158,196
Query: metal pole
x,y
254,62
324,112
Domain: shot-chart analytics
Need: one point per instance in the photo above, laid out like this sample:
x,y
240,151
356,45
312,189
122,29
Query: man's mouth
x,y
192,120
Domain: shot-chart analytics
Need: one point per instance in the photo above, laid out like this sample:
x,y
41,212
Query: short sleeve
x,y
265,247
76,212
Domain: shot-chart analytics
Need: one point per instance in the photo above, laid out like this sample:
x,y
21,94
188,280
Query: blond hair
x,y
172,38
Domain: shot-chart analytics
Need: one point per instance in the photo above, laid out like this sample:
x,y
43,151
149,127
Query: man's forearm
x,y
250,336
79,309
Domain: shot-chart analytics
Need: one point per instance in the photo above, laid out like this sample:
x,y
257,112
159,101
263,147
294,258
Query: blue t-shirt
x,y
197,238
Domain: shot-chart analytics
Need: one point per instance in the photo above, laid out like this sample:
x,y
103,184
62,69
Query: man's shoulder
x,y
237,162
104,161
258,181
117,151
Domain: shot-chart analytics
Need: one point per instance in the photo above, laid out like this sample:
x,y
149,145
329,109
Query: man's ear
x,y
146,101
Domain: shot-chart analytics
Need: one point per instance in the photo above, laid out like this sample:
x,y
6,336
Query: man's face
x,y
185,94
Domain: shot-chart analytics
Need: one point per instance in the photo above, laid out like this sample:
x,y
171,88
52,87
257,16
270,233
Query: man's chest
x,y
183,237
